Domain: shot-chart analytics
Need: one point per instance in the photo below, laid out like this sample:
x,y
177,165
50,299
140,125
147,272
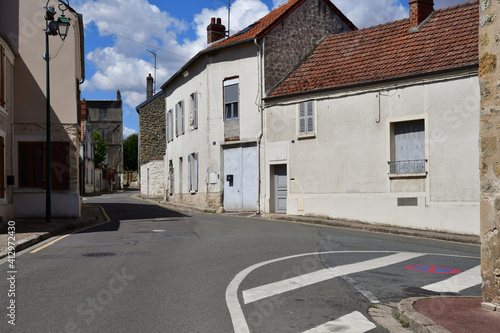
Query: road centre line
x,y
354,322
276,288
459,282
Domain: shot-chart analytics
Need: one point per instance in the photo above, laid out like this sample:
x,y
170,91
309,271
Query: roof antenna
x,y
154,79
228,17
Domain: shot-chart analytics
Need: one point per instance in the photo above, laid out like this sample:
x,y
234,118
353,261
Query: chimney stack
x,y
419,11
149,86
215,31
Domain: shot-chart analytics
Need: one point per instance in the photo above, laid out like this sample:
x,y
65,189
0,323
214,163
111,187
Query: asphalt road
x,y
151,269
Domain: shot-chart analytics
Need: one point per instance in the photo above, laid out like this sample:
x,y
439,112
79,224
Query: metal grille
x,y
404,167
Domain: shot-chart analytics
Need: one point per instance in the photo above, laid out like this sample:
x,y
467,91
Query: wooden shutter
x,y
2,77
195,110
310,117
60,165
176,119
196,171
182,116
168,126
171,125
302,118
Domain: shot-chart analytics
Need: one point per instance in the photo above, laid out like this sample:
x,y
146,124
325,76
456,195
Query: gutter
x,y
261,111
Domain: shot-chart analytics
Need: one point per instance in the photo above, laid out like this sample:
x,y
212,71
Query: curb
x,y
42,236
418,322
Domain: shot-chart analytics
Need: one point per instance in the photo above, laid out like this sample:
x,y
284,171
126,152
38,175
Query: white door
x,y
280,188
240,179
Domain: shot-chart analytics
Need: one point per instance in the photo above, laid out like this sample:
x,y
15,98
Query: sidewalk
x,y
29,231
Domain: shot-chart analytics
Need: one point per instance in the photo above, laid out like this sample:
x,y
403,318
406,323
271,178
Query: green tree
x,y
130,148
100,148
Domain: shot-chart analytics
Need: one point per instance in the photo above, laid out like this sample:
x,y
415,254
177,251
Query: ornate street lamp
x,y
52,28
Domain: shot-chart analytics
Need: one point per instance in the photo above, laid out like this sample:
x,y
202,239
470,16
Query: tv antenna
x,y
228,17
154,78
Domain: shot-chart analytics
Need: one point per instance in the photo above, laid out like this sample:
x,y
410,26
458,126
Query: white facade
x,y
341,169
197,133
153,179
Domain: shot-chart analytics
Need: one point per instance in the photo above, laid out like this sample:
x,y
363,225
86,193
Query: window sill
x,y
306,136
193,192
407,175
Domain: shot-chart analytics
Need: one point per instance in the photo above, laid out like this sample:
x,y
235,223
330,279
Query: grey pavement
x,y
430,314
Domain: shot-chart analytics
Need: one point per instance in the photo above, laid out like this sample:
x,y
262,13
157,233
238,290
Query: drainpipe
x,y
261,110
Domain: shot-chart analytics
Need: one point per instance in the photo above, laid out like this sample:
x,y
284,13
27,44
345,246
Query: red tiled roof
x,y
259,28
448,40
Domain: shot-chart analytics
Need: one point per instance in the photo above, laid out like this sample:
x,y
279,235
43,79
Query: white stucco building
x,y
381,125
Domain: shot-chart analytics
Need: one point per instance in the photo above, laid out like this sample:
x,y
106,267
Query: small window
x,y
231,99
194,111
408,147
306,118
31,164
193,172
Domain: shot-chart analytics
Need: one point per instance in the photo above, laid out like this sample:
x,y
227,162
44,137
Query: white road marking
x,y
458,282
356,285
352,323
276,288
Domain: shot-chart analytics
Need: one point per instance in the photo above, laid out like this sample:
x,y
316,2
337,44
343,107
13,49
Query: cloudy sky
x,y
119,33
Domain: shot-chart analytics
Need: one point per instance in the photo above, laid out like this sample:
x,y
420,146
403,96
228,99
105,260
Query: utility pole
x,y
154,78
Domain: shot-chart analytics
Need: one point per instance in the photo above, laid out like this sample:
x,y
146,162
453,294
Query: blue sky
x,y
118,34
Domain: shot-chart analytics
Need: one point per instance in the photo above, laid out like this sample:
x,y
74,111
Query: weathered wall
x,y
489,75
152,137
153,179
288,43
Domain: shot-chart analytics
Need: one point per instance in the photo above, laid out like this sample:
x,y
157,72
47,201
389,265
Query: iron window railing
x,y
404,167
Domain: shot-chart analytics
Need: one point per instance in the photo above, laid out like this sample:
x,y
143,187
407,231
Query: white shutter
x,y
189,172
176,119
182,117
302,118
196,171
310,117
168,126
195,110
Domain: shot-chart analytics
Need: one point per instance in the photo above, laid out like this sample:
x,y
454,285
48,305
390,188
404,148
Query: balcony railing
x,y
404,167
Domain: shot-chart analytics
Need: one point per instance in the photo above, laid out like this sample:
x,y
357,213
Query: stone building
x,y
152,142
489,78
106,117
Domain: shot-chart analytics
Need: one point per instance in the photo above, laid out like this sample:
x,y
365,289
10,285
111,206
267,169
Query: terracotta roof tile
x,y
259,28
448,40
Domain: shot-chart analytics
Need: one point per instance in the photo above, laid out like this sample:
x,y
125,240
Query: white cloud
x,y
367,13
277,3
128,132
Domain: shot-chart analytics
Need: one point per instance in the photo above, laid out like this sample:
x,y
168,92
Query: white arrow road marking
x,y
276,288
458,282
352,323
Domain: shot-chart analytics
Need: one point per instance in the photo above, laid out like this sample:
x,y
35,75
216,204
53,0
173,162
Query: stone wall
x,y
152,136
290,42
153,179
489,77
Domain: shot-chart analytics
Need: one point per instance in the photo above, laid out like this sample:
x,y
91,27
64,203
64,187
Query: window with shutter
x,y
306,118
177,119
181,106
408,155
195,109
231,99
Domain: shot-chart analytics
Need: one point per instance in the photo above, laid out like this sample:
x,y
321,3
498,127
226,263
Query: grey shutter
x,y
310,117
168,126
195,110
189,172
196,171
182,117
302,118
409,140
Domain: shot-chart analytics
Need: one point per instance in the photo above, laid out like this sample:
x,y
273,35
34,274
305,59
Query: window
x,y
170,125
306,118
2,77
408,143
231,99
2,167
179,118
32,165
194,111
193,172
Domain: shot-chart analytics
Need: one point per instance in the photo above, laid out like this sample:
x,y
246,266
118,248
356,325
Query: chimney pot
x,y
419,11
149,86
215,31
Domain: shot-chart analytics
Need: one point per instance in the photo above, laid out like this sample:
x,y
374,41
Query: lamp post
x,y
52,28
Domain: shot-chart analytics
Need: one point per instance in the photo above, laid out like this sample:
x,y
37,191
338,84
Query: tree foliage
x,y
100,148
130,151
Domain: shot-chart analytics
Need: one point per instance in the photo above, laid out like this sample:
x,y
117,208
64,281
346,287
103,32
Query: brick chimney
x,y
215,31
419,11
149,86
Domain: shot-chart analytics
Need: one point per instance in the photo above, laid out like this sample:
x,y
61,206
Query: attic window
x,y
247,28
